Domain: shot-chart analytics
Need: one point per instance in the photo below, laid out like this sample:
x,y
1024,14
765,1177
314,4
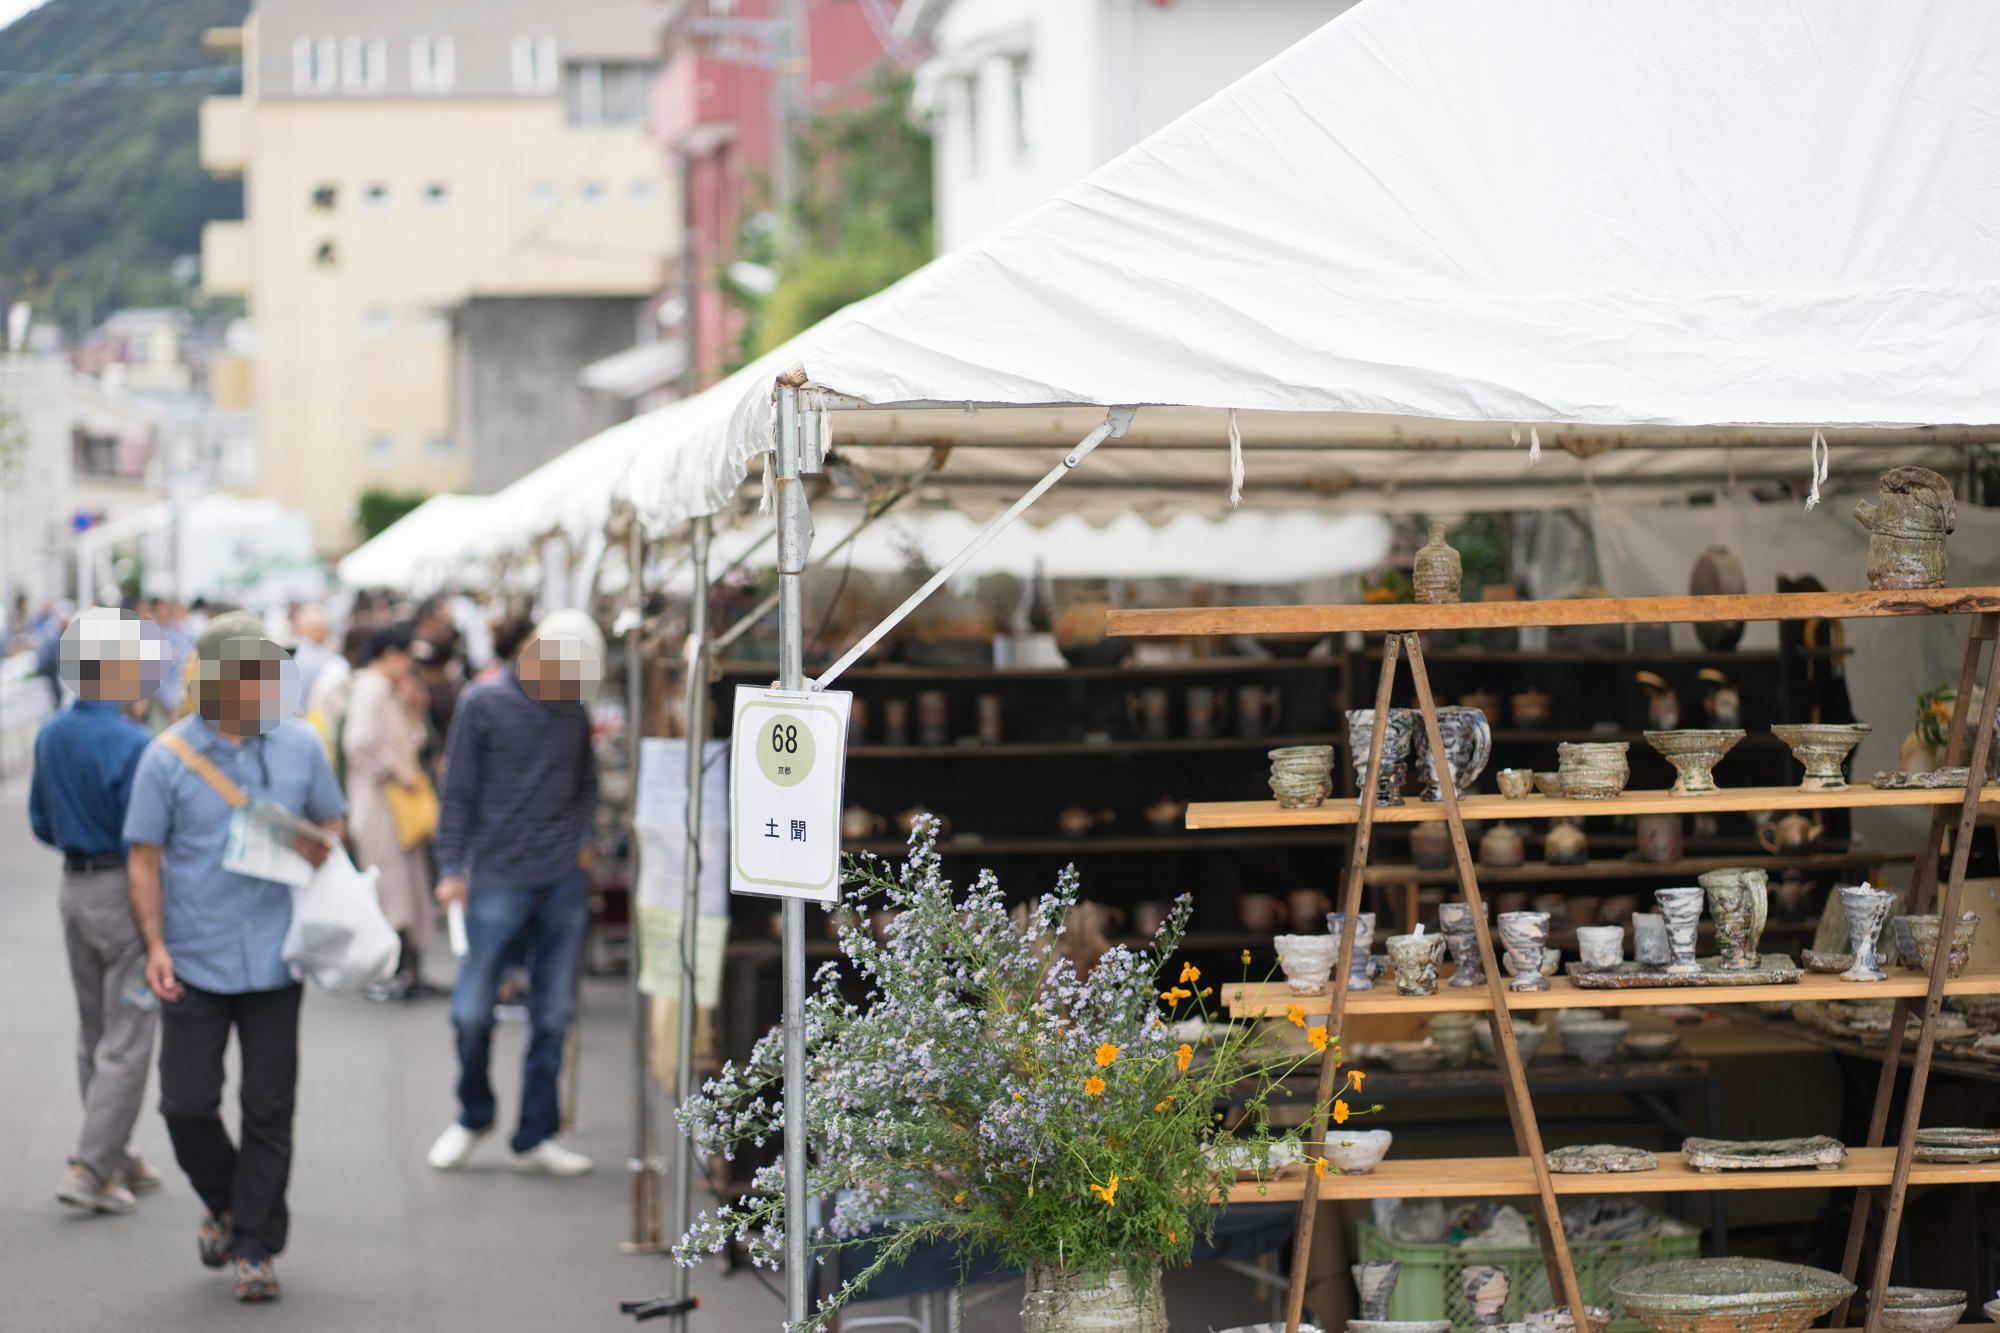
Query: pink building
x,y
712,109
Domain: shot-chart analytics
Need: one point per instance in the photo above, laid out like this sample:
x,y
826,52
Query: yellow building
x,y
449,210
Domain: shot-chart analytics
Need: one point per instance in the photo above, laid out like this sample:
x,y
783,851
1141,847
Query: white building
x,y
35,480
1029,95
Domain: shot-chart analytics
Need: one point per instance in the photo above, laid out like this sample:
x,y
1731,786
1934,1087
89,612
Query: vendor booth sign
x,y
787,768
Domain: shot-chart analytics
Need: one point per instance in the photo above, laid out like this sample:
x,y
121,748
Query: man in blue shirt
x,y
213,936
84,759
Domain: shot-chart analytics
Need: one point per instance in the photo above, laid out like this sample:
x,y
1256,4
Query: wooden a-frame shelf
x,y
1269,814
1460,1177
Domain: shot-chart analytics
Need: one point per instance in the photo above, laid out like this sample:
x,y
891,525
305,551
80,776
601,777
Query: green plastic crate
x,y
1430,1285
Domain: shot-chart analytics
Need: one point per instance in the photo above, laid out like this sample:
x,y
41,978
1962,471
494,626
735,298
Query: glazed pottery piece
x,y
1650,945
1357,1152
1680,908
1397,738
1430,845
1652,1045
1815,961
1733,1294
1452,1035
1411,1057
1593,770
1773,969
1307,961
1920,1309
1414,961
1794,835
1395,1326
1437,570
1301,775
1591,1159
1148,915
1617,909
1548,784
1462,938
1818,1150
1866,909
1738,904
1485,1287
1060,1300
1501,846
1531,708
1694,755
1358,970
1374,1284
1593,1041
1659,838
1924,931
1788,896
1822,747
1992,1309
1958,1145
1599,947
1515,783
1524,935
1935,778
1565,844
1907,524
1468,744
1527,1036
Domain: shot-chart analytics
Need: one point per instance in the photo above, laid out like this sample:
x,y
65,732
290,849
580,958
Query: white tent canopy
x,y
423,550
1712,213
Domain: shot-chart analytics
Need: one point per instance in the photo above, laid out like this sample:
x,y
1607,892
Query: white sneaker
x,y
552,1157
454,1146
80,1188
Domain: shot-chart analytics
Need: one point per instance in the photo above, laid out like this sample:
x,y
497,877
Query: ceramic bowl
x,y
1821,747
1992,1309
1694,753
1652,1045
1549,784
1920,1309
1307,961
1696,1295
1514,783
1528,1036
1357,1152
1395,1326
1594,1041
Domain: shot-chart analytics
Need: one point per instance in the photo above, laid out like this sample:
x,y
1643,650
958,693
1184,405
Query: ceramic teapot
x,y
1501,846
1165,814
1793,834
859,825
1074,821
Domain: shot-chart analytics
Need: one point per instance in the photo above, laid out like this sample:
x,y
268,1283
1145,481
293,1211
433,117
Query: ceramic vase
x,y
1866,908
1301,775
1364,944
1650,945
1059,1300
1307,961
1437,571
1739,905
1523,934
1468,744
1374,1284
1397,738
1414,961
1485,1287
1600,948
1462,938
1821,747
1907,524
1680,909
1593,770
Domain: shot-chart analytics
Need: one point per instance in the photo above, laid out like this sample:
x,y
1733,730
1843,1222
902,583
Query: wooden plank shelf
x,y
1575,611
1269,814
1270,999
1100,843
904,673
1686,867
1456,1177
1108,748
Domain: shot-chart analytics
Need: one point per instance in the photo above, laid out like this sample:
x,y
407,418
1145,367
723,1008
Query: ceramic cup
x,y
1414,961
1525,934
1866,910
1397,739
1681,910
1593,770
1738,904
1301,775
1600,948
1462,938
1374,1284
1307,961
1515,783
1649,939
1358,970
1925,929
1485,1287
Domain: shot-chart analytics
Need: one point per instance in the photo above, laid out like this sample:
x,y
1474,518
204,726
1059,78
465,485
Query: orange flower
x,y
1295,1016
1017,1096
1340,1113
1108,1193
1246,957
1106,1053
1171,1238
1319,1167
1355,1076
1318,1038
1189,972
958,1197
1183,1055
1094,1086
1174,994
1207,990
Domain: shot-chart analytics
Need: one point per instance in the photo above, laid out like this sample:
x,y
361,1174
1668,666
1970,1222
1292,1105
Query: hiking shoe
x,y
552,1157
80,1188
211,1240
138,1177
256,1281
454,1146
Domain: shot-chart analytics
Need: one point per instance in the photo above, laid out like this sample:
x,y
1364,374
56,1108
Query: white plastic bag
x,y
339,939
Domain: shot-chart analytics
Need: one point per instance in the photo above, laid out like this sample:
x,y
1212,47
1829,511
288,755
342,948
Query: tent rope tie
x,y
825,435
1822,457
1235,461
1534,443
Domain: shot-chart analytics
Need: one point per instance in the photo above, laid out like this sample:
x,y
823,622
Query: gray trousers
x,y
114,1041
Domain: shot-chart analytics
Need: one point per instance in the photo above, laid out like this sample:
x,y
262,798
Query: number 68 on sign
x,y
788,762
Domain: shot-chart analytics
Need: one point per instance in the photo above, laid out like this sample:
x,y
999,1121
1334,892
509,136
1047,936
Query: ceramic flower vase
x,y
1437,571
1462,938
1866,908
1061,1300
1397,738
1307,961
1524,934
1681,910
1414,961
1925,931
1468,744
1738,904
1374,1284
1485,1287
1907,524
1364,944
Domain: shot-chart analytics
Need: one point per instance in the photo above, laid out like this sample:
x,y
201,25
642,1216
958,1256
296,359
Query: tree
x,y
378,508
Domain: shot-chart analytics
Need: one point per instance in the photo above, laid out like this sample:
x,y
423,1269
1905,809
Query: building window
x,y
436,326
597,92
437,194
441,448
645,194
381,451
535,69
1025,105
327,255
376,195
325,197
433,64
314,64
364,65
591,194
543,196
378,322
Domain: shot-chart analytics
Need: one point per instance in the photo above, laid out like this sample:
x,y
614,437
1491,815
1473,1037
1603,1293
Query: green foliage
x,y
862,219
378,508
101,188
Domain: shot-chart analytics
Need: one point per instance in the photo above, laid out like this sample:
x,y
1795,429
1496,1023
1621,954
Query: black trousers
x,y
246,1184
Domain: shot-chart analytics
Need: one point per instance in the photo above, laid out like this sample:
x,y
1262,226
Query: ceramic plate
x,y
1761,1154
1958,1145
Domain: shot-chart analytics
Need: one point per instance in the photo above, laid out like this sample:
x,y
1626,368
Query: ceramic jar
x,y
1462,938
1680,908
1659,838
1866,908
1468,744
1600,948
1650,945
1501,847
1307,961
1413,960
1301,775
1593,770
1259,912
1485,701
1907,524
1925,929
1524,935
1566,844
1358,970
1397,739
1739,906
1531,708
1437,570
1717,573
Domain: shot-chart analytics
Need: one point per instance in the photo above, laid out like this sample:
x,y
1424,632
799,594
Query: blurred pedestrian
x,y
213,935
312,632
509,633
514,845
386,786
85,757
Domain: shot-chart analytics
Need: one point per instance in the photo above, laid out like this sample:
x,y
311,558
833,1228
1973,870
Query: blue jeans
x,y
551,921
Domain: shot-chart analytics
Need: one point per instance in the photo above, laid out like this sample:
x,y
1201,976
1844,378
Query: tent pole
x,y
697,738
645,1237
794,543
1114,424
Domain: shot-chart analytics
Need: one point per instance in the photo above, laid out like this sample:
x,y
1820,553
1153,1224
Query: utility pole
x,y
787,110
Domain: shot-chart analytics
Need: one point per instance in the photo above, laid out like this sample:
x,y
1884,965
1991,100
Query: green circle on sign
x,y
785,750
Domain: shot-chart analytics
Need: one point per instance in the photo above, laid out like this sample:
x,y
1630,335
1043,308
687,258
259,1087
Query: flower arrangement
x,y
992,1094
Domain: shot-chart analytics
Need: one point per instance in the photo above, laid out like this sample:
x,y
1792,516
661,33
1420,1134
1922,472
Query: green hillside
x,y
99,186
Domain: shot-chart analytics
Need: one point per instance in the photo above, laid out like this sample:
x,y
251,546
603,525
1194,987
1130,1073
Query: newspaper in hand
x,y
260,844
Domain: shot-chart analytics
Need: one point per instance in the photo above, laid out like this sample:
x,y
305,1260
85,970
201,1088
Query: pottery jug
x,y
1437,571
1204,711
1663,711
858,825
1789,836
1149,710
1725,707
1565,845
1907,524
1430,845
1148,916
1501,846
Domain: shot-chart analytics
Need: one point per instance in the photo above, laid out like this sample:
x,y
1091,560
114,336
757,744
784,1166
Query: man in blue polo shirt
x,y
84,760
213,936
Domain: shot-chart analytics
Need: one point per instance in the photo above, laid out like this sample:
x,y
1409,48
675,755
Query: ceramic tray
x,y
1816,961
1600,1159
1941,777
1762,1154
1773,969
1958,1145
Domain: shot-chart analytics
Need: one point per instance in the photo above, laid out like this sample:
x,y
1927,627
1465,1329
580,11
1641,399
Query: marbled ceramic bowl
x,y
1735,1294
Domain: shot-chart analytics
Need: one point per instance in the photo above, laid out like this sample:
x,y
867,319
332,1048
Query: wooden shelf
x,y
1193,666
1270,999
1541,872
1575,611
1455,1177
1107,748
1472,656
1101,843
1269,814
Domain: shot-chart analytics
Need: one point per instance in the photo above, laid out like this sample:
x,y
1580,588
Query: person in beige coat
x,y
380,740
